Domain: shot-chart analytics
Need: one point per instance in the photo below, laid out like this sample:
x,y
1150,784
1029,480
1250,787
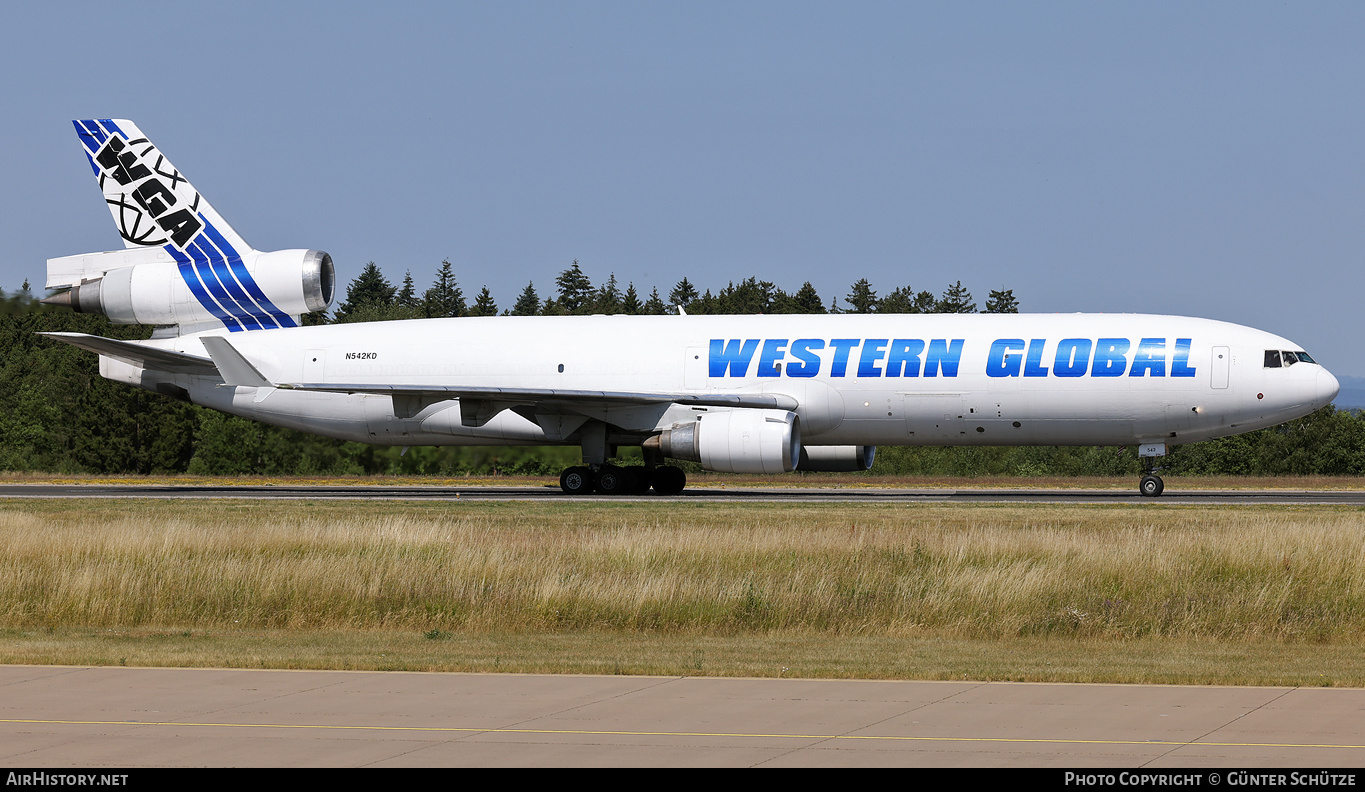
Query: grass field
x,y
1142,593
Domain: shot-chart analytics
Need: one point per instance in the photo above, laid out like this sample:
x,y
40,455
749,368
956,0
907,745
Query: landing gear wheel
x,y
1151,486
669,480
576,481
614,481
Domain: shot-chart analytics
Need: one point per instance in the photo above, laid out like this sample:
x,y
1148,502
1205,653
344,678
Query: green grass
x,y
1132,593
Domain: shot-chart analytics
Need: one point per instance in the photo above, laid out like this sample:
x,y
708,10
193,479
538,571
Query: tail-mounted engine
x,y
736,441
163,286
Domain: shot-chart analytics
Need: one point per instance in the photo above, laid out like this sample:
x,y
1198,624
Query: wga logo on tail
x,y
150,208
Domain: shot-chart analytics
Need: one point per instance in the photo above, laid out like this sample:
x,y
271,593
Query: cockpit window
x,y
1277,358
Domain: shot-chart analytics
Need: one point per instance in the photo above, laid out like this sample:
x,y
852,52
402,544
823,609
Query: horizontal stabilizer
x,y
75,270
140,355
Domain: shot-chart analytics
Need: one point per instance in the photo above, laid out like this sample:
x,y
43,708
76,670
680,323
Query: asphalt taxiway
x,y
70,717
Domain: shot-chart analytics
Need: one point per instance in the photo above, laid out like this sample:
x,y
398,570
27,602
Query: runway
x,y
81,717
699,494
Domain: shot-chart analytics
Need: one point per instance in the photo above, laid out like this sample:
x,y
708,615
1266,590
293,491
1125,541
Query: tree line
x,y
57,415
373,297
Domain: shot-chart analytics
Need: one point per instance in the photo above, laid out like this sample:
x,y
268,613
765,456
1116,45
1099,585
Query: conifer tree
x,y
683,294
407,293
575,291
924,302
751,296
900,301
956,299
1002,302
368,297
806,300
484,305
654,306
445,297
608,299
630,304
863,298
528,304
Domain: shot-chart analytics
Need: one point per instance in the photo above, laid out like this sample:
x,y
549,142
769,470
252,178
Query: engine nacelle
x,y
261,290
837,459
737,441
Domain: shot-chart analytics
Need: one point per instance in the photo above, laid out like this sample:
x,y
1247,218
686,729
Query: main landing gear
x,y
613,480
598,476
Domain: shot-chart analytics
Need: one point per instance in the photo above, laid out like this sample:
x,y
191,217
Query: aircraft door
x,y
694,369
932,418
383,423
1220,367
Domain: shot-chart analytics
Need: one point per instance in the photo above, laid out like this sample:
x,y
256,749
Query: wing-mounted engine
x,y
837,459
163,286
736,441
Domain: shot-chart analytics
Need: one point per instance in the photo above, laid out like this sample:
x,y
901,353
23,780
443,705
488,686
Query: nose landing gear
x,y
1151,484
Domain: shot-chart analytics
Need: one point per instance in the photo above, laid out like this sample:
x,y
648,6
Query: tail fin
x,y
184,266
152,203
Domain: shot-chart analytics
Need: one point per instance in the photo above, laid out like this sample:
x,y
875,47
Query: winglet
x,y
236,370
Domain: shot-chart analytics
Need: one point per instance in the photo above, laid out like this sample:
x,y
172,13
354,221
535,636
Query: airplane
x,y
742,394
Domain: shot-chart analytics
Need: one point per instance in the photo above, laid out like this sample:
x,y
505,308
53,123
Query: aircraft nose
x,y
1327,387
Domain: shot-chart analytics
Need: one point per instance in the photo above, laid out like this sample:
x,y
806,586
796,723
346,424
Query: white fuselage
x,y
910,379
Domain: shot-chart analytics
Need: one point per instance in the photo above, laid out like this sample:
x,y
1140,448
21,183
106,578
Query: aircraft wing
x,y
478,403
534,395
136,354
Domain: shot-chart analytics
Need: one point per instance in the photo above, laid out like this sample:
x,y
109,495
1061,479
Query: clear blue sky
x,y
1189,158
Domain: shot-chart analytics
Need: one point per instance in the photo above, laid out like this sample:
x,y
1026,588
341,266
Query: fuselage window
x,y
1272,358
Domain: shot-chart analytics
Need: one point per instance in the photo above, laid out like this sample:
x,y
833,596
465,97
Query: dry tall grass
x,y
948,570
